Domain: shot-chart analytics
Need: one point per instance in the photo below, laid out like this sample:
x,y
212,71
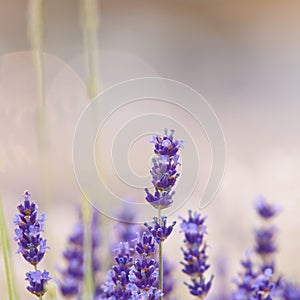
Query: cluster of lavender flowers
x,y
258,281
31,244
139,269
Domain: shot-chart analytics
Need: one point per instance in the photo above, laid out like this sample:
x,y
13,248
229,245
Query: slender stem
x,y
160,258
90,16
90,26
88,281
6,256
36,33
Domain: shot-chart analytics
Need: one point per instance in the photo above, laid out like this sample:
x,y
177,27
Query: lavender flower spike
x,y
265,235
194,253
31,245
164,170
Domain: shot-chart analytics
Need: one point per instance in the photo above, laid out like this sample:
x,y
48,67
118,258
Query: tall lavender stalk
x,y
164,174
31,244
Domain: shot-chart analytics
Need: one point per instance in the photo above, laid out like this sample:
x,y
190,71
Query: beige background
x,y
242,56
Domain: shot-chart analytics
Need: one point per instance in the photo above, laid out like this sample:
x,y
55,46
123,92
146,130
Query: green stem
x,y
6,256
160,257
89,11
88,281
90,25
36,33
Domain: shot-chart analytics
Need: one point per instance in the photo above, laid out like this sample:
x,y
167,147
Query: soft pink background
x,y
242,56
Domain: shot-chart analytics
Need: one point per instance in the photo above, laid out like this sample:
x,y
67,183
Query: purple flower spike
x,y
160,232
37,282
245,280
31,245
164,170
264,209
194,254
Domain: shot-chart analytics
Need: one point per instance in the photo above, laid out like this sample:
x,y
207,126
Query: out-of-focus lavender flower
x,y
263,287
31,245
126,230
37,282
164,170
159,230
245,280
28,234
71,283
264,209
265,245
194,254
289,291
265,240
168,279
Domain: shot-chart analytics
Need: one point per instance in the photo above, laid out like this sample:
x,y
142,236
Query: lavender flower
x,y
164,171
71,283
265,241
264,209
37,281
164,174
290,291
263,287
245,280
145,246
31,245
117,284
194,254
126,230
265,235
168,279
144,273
134,276
160,231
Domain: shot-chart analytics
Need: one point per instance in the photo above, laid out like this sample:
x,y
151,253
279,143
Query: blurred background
x,y
242,56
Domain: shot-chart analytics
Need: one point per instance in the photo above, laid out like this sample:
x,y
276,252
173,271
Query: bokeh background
x,y
242,56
